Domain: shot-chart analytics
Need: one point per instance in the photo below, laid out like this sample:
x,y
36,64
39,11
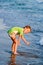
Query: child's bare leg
x,y
15,43
18,42
14,47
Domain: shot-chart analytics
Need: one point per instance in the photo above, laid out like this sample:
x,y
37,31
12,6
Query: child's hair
x,y
27,26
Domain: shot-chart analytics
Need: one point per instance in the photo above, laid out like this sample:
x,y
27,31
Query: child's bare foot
x,y
16,53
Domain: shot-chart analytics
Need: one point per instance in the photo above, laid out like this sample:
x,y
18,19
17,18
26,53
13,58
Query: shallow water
x,y
21,13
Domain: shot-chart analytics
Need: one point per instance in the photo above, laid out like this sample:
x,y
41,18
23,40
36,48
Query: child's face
x,y
26,31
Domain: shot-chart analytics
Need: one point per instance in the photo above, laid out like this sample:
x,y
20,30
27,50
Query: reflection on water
x,y
28,55
12,60
22,58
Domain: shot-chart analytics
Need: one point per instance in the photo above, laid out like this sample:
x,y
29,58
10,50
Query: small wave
x,y
2,24
40,1
41,41
6,0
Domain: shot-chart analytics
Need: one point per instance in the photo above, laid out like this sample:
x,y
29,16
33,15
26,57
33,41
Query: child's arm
x,y
25,40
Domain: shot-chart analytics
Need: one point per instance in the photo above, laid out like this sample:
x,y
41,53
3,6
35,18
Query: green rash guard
x,y
17,30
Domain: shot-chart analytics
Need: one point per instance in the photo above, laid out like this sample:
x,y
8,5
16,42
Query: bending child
x,y
18,31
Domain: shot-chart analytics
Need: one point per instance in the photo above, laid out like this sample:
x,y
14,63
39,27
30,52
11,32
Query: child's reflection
x,y
12,60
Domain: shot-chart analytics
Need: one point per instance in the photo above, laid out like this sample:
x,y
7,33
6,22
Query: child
x,y
20,32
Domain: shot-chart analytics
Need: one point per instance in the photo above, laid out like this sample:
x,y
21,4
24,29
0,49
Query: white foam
x,y
40,1
2,24
41,41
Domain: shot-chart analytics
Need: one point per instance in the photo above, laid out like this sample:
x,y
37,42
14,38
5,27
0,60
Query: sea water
x,y
21,13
